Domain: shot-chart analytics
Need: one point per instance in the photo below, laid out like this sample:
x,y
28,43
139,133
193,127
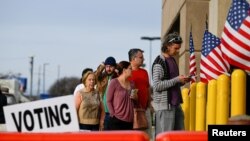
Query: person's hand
x,y
187,79
182,79
117,72
151,109
133,94
101,126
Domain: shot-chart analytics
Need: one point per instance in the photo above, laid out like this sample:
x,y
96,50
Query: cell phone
x,y
134,91
191,75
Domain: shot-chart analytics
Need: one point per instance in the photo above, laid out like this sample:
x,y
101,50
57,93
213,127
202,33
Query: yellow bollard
x,y
211,103
222,103
185,107
200,124
238,96
192,98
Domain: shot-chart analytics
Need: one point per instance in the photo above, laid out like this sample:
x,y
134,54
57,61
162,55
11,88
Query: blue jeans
x,y
106,121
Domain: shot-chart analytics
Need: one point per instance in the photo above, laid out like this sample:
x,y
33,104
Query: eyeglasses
x,y
176,39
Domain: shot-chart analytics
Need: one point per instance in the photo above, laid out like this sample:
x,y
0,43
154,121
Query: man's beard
x,y
109,72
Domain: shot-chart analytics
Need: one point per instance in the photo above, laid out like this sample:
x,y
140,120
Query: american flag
x,y
212,63
235,41
192,62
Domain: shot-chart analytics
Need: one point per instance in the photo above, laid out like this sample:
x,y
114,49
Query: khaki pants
x,y
169,120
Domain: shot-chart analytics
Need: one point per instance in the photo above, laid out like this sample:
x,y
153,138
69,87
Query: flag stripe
x,y
238,52
208,73
192,63
223,60
244,30
235,39
229,42
237,61
202,75
224,64
209,68
215,56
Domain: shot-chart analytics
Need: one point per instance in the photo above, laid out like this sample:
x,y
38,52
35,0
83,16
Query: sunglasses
x,y
175,39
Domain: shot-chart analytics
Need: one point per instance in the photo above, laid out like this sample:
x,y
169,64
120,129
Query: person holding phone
x,y
167,84
120,101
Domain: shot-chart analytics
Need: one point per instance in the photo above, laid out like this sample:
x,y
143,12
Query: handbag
x,y
140,119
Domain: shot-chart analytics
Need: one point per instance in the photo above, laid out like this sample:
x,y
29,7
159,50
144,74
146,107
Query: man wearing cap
x,y
166,86
104,73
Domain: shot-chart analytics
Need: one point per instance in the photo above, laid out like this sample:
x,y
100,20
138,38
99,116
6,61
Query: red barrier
x,y
182,136
79,136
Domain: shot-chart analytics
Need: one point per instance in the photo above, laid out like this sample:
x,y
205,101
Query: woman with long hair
x,y
120,101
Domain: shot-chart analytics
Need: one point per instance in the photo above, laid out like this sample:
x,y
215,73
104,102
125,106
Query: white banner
x,y
48,115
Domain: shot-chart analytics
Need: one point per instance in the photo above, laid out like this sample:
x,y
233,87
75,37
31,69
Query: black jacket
x,y
3,102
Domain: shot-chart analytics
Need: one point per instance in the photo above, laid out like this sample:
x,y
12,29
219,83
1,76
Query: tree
x,y
63,86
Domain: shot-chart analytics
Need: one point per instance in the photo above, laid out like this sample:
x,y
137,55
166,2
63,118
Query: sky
x,y
70,35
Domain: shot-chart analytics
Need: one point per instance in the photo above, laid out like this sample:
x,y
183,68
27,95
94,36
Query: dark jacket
x,y
102,79
3,102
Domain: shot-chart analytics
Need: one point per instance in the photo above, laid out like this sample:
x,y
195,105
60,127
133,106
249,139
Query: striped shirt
x,y
161,83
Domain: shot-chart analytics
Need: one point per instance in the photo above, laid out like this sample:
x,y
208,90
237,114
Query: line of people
x,y
104,101
113,83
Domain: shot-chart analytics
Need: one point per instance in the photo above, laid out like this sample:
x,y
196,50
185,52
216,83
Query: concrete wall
x,y
218,10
